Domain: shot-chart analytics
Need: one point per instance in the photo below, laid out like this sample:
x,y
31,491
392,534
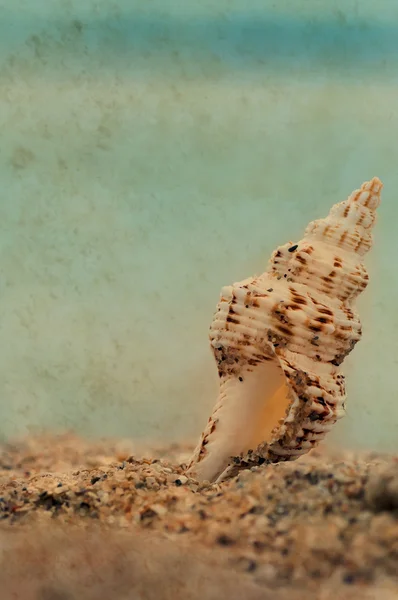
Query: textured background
x,y
151,152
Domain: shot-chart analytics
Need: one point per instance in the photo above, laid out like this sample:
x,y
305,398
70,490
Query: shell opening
x,y
251,407
273,404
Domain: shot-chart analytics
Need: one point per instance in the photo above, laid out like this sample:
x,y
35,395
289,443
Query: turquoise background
x,y
152,152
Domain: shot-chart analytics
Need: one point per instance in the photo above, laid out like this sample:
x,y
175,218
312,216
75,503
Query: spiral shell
x,y
279,340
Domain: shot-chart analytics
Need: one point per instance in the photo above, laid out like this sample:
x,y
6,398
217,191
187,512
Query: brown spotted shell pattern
x,y
279,340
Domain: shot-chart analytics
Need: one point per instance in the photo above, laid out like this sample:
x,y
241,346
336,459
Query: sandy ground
x,y
83,519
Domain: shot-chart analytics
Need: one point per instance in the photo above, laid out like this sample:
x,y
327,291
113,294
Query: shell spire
x,y
353,219
279,340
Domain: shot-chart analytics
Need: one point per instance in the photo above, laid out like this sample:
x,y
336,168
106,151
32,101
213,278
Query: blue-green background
x,y
153,151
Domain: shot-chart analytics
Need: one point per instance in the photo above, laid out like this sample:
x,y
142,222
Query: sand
x,y
105,519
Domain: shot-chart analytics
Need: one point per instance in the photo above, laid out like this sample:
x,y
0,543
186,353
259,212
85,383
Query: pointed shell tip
x,y
374,185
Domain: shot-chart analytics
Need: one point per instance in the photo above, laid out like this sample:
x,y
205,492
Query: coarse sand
x,y
85,519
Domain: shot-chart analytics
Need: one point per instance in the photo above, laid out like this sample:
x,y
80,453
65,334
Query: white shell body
x,y
279,339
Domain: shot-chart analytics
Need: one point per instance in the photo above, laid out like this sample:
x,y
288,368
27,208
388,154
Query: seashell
x,y
279,340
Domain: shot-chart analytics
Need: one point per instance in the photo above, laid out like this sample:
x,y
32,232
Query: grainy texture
x,y
78,514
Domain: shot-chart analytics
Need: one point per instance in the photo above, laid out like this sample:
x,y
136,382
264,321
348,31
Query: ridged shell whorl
x,y
279,339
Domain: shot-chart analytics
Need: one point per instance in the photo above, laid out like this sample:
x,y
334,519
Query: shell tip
x,y
374,185
369,194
